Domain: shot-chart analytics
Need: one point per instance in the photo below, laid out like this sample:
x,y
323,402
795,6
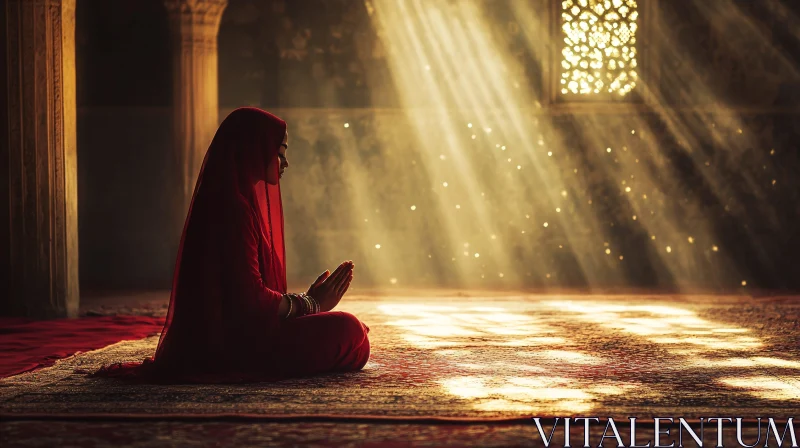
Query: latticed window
x,y
599,55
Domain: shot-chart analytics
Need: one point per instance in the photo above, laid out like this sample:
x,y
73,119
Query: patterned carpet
x,y
227,434
473,356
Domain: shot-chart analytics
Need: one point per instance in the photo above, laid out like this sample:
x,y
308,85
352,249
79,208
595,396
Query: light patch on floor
x,y
489,356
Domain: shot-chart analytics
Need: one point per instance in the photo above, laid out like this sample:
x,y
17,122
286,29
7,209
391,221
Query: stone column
x,y
38,161
195,25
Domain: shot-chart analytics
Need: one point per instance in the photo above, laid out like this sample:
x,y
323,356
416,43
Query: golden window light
x,y
599,52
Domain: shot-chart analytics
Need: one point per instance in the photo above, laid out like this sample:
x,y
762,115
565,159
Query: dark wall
x,y
279,54
123,54
126,225
124,93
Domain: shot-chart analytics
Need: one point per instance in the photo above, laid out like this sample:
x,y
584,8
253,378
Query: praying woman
x,y
230,316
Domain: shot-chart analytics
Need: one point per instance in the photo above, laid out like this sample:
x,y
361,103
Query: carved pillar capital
x,y
196,21
211,9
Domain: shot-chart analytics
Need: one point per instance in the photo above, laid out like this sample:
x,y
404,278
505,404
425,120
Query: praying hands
x,y
328,289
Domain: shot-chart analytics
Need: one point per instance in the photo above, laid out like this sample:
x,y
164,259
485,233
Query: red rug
x,y
27,344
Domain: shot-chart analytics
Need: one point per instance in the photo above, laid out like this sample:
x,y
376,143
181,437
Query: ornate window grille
x,y
599,51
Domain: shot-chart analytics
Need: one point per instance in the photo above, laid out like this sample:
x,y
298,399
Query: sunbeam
x,y
577,143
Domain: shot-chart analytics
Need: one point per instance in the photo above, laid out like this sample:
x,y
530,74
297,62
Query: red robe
x,y
230,275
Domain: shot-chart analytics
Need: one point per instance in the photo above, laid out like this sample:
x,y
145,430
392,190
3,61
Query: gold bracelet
x,y
290,305
314,303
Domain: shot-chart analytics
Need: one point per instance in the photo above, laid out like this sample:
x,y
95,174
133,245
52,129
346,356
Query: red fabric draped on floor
x,y
27,344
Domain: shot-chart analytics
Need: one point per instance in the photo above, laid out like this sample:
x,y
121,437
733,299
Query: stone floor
x,y
445,354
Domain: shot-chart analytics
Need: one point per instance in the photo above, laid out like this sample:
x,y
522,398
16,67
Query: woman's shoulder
x,y
240,210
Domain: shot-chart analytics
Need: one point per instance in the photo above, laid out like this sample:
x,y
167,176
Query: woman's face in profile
x,y
280,161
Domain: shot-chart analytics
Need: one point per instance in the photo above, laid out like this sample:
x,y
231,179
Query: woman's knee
x,y
351,327
353,340
359,336
363,354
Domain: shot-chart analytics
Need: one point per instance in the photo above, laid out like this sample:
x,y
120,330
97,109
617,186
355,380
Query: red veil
x,y
230,272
